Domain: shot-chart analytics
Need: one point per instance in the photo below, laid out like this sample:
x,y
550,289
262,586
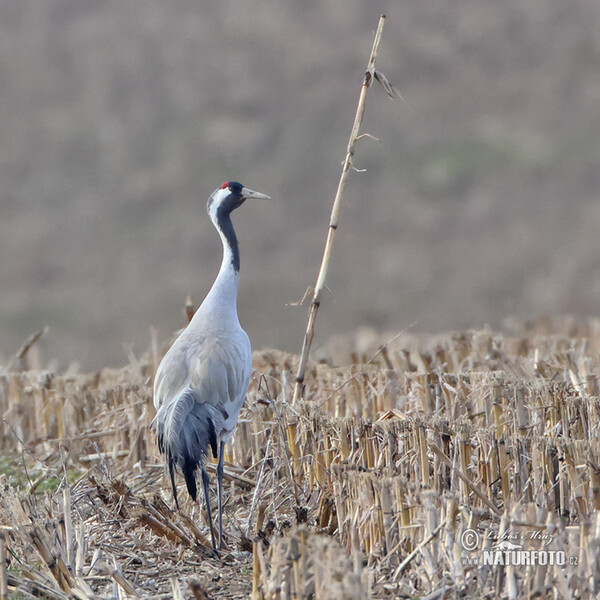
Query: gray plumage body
x,y
200,388
201,383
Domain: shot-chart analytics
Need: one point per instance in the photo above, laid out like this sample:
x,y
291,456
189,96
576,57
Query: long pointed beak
x,y
246,193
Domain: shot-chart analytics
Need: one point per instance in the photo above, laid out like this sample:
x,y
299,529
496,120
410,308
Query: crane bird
x,y
201,382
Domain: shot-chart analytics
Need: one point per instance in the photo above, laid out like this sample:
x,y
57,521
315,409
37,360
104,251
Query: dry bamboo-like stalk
x,y
176,589
189,308
69,534
256,495
116,573
418,549
469,483
337,204
3,571
28,344
256,571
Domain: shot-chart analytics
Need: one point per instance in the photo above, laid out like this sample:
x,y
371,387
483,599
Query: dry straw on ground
x,y
363,489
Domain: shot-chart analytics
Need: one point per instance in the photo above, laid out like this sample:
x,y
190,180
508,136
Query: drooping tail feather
x,y
186,427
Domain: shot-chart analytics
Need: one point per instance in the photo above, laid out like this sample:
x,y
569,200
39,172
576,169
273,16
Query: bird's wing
x,y
216,369
219,370
172,373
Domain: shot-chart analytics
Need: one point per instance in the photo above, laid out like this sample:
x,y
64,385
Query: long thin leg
x,y
207,500
219,491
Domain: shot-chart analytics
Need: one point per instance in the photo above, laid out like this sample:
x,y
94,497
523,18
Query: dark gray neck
x,y
226,226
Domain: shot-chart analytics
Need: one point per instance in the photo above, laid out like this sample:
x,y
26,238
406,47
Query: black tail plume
x,y
186,430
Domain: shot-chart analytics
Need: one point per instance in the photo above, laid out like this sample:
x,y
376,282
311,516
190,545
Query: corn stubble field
x,y
364,489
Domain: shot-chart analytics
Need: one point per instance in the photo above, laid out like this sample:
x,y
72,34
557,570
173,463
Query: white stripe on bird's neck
x,y
219,308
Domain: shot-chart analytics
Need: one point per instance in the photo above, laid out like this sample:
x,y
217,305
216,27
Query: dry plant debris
x,y
368,488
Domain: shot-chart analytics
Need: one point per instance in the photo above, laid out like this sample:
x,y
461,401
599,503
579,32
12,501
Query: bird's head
x,y
228,197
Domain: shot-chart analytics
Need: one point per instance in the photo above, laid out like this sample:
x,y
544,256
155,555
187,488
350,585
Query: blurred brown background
x,y
118,118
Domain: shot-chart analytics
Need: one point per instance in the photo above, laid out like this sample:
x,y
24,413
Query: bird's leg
x,y
207,500
219,490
